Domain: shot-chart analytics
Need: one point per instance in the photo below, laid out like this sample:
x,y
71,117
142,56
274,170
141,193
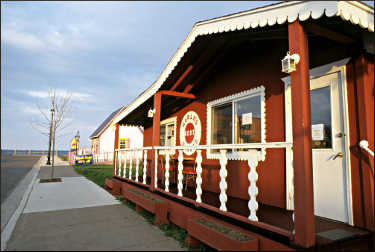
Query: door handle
x,y
338,155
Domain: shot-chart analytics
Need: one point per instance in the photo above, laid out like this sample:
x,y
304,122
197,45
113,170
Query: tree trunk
x,y
49,142
53,152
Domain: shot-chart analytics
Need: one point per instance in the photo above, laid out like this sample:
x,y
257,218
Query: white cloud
x,y
22,39
70,40
60,93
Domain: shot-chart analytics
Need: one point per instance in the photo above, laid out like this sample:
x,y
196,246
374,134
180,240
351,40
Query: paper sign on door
x,y
247,118
317,132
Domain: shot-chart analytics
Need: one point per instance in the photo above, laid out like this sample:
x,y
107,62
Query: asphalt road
x,y
13,170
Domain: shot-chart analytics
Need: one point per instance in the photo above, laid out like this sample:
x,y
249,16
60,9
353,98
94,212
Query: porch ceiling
x,y
205,53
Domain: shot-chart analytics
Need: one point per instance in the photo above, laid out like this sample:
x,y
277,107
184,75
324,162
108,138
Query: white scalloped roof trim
x,y
355,12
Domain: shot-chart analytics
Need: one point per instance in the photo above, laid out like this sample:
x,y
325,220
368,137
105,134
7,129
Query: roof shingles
x,y
103,125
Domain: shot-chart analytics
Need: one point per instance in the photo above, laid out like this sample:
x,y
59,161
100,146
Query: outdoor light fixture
x,y
151,112
288,64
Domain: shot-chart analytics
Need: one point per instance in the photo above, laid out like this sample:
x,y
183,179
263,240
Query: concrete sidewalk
x,y
77,214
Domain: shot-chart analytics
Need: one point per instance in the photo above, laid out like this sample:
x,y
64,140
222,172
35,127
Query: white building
x,y
103,138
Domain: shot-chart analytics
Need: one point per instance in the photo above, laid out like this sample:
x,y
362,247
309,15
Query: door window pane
x,y
221,131
247,120
321,128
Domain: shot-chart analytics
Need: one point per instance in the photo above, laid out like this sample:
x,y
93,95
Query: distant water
x,y
33,152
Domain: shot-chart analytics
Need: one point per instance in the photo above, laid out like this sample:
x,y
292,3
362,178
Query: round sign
x,y
190,131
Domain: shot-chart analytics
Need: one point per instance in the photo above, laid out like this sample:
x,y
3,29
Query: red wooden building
x,y
232,133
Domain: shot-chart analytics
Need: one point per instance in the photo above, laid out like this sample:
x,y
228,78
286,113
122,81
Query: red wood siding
x,y
241,72
360,86
245,69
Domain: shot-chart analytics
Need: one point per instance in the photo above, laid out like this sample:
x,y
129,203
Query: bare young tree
x,y
53,126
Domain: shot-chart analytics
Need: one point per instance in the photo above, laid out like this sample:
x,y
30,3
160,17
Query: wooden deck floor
x,y
282,218
276,216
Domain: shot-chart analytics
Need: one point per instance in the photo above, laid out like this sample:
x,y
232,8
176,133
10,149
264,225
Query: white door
x,y
328,148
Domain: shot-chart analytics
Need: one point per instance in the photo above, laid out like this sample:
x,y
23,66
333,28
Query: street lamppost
x,y
77,141
50,137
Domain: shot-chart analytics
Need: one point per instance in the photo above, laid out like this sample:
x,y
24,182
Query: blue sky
x,y
105,53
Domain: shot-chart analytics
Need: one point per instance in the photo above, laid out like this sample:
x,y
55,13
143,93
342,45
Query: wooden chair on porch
x,y
172,170
190,174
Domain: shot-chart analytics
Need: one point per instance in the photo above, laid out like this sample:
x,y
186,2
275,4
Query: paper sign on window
x,y
247,118
317,132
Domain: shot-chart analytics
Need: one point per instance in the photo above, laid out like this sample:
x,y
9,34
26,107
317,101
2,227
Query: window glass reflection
x,y
247,120
222,124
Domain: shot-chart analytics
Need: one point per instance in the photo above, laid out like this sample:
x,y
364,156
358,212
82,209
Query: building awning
x,y
356,12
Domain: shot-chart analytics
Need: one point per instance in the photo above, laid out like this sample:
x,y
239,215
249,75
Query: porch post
x,y
114,149
304,223
365,98
155,134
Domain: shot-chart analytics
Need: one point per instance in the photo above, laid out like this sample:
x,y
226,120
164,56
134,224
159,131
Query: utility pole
x,y
50,138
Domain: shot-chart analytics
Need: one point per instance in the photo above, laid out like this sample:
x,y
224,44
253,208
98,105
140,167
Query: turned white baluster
x,y
116,164
144,167
223,183
180,176
166,172
131,164
156,169
291,191
253,189
119,164
198,180
137,165
125,164
293,231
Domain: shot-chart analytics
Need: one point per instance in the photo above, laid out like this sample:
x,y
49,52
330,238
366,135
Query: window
x,y
236,119
124,143
321,117
168,132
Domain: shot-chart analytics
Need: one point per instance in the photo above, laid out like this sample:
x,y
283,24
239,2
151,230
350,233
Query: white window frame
x,y
119,142
238,155
165,123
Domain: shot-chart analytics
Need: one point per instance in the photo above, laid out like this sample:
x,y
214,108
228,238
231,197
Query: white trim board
x,y
339,67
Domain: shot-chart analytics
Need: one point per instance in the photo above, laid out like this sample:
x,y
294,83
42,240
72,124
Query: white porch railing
x,y
103,157
364,145
252,153
125,158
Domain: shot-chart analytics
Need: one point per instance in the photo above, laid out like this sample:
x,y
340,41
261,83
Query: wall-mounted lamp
x,y
289,62
151,112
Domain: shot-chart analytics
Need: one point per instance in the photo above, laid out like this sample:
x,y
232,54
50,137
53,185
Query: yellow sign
x,y
74,144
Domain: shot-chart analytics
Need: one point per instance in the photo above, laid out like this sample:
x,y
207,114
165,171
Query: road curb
x,y
9,227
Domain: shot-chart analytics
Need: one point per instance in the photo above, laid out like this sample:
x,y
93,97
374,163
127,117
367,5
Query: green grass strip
x,y
95,173
224,230
144,195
